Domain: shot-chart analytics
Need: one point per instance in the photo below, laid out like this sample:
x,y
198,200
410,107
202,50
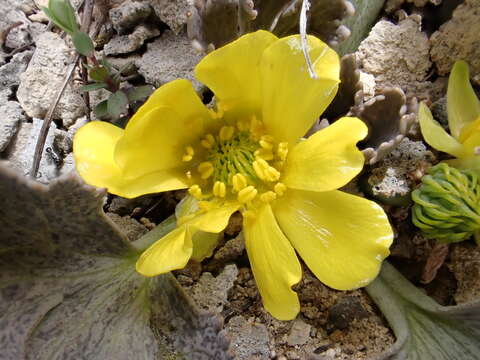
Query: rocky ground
x,y
412,46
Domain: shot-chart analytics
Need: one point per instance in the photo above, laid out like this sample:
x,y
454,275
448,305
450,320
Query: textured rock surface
x,y
397,55
395,175
459,39
210,293
11,114
132,229
10,74
21,150
129,14
125,44
465,264
44,75
248,340
172,12
168,58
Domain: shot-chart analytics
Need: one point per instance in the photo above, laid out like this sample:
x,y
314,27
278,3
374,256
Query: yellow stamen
x,y
272,174
205,205
219,189
266,142
268,196
280,188
188,174
265,154
208,141
226,133
282,150
247,194
256,128
243,125
205,169
189,152
259,169
239,182
195,191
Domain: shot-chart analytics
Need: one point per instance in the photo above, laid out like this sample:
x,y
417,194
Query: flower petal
x,y
156,136
203,245
463,105
93,148
169,253
292,100
174,250
274,264
341,237
328,159
232,71
470,163
435,135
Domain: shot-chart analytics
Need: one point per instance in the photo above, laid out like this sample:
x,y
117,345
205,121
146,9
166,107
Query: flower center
x,y
240,162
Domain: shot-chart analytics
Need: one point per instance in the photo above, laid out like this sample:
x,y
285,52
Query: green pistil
x,y
233,156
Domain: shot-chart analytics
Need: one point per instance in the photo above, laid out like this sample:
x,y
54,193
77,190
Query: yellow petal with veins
x,y
232,72
328,159
93,148
292,100
274,264
156,136
342,238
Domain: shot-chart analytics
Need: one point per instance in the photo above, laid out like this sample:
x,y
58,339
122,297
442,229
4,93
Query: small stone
x,y
172,12
21,150
299,333
210,293
125,44
10,74
292,355
465,265
129,14
248,340
232,249
12,115
132,229
45,73
168,58
458,39
344,311
397,55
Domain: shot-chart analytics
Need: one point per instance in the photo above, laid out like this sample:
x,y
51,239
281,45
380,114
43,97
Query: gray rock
x,y
210,293
68,164
132,229
172,12
129,14
124,44
11,116
344,311
168,58
395,175
458,39
248,340
10,74
22,148
397,55
299,333
45,73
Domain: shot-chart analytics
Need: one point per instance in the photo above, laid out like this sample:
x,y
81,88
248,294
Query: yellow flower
x,y
248,156
463,108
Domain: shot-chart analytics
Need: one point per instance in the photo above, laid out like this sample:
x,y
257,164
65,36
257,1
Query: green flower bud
x,y
447,204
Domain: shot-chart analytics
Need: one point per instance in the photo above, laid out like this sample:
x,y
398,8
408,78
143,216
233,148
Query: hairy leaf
x,y
424,329
68,288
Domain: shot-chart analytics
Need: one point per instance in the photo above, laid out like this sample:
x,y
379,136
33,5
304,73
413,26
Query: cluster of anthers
x,y
241,162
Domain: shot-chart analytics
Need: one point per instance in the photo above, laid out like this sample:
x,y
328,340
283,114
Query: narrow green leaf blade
x,y
94,86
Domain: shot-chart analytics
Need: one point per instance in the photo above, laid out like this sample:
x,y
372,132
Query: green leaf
x,y
117,104
69,289
101,110
139,93
463,106
63,15
423,328
83,43
98,73
94,86
120,71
